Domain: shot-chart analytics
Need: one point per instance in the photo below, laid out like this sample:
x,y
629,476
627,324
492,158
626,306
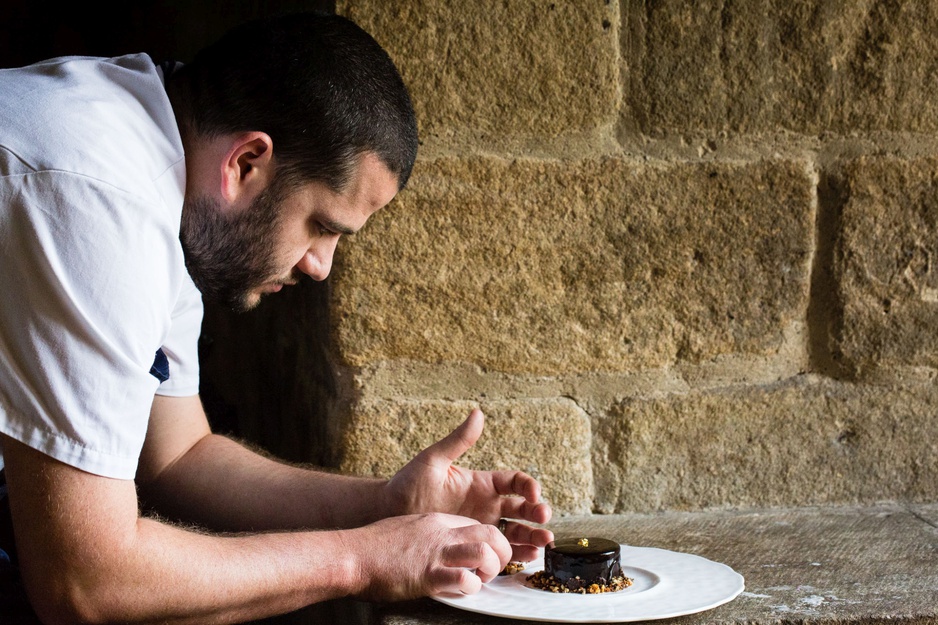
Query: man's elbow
x,y
62,599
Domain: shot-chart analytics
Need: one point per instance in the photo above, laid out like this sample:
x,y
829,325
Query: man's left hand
x,y
431,483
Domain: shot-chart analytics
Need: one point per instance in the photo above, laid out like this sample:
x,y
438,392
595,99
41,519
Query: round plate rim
x,y
467,603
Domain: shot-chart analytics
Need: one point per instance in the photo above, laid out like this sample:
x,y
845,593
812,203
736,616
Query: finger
x,y
458,580
459,440
518,508
478,555
473,531
523,534
516,483
524,553
494,538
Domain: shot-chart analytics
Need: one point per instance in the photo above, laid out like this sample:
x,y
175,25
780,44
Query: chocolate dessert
x,y
584,565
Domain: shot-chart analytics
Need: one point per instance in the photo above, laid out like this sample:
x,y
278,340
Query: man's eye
x,y
323,231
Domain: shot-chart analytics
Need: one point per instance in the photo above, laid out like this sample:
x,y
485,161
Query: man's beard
x,y
230,255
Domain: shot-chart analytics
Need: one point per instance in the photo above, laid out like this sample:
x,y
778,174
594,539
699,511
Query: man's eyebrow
x,y
335,226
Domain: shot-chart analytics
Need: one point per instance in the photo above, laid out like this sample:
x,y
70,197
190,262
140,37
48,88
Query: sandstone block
x,y
803,65
495,70
800,443
603,264
548,438
886,264
928,512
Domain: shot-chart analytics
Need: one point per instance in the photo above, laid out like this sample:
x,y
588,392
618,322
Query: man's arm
x,y
189,473
87,556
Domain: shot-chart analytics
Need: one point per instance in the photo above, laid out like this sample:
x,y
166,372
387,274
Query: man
x,y
127,191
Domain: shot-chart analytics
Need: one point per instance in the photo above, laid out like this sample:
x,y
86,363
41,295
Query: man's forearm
x,y
223,485
186,472
167,574
86,556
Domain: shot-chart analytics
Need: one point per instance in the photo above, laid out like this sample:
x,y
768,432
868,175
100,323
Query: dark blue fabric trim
x,y
6,559
160,368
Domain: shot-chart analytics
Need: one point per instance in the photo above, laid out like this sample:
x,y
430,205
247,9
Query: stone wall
x,y
681,253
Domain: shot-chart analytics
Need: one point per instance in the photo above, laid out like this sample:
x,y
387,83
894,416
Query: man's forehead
x,y
372,185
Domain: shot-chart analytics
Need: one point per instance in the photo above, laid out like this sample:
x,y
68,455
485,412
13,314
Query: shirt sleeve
x,y
89,293
181,346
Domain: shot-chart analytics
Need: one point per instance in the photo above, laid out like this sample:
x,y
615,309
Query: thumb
x,y
457,442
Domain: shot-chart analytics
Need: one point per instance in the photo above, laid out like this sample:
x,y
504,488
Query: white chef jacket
x,y
92,275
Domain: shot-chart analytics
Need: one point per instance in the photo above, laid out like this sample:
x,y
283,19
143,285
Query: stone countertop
x,y
818,565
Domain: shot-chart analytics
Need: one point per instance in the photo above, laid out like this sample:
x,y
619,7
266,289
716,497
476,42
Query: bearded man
x,y
128,191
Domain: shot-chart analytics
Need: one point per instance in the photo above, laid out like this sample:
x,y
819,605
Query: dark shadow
x,y
825,307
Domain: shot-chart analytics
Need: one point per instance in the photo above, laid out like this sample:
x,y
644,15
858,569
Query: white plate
x,y
665,584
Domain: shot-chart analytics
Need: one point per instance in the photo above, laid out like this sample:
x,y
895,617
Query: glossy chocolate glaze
x,y
595,563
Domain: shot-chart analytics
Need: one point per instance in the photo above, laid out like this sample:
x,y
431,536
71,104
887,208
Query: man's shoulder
x,y
108,118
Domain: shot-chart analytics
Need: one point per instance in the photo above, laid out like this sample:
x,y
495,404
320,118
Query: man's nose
x,y
317,261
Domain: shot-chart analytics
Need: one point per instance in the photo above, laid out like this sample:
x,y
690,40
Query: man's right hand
x,y
427,554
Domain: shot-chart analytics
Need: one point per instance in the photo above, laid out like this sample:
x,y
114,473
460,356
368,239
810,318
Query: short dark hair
x,y
320,86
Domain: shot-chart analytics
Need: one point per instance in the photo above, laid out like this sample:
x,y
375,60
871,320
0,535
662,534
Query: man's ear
x,y
247,168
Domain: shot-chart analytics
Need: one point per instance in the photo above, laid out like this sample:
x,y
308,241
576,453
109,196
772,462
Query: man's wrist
x,y
385,502
350,570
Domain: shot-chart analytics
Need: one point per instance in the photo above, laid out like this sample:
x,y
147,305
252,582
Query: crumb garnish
x,y
544,581
513,567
